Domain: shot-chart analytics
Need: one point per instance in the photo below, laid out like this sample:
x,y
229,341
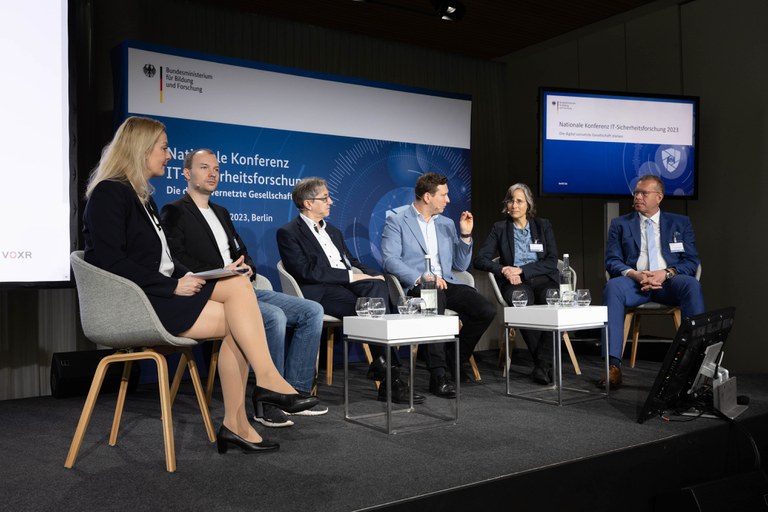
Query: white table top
x,y
401,327
556,317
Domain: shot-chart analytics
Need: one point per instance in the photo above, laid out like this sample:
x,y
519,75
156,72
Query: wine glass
x,y
553,296
583,297
376,307
362,306
519,298
402,304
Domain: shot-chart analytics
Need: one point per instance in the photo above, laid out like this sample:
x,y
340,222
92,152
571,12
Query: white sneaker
x,y
273,417
317,410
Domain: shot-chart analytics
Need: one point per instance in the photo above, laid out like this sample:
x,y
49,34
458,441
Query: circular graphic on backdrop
x,y
671,163
374,178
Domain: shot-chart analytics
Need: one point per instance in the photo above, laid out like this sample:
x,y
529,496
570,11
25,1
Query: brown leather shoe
x,y
614,374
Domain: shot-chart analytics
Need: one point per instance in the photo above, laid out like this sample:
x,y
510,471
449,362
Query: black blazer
x,y
501,240
191,240
304,258
120,238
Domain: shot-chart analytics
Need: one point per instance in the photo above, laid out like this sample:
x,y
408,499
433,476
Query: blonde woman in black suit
x,y
123,236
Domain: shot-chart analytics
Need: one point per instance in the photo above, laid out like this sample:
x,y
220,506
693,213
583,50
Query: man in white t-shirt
x,y
201,235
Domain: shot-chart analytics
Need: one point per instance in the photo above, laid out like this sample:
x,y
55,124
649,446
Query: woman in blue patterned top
x,y
527,261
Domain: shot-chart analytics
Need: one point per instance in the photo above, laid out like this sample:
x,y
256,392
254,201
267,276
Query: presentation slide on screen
x,y
602,144
35,203
271,127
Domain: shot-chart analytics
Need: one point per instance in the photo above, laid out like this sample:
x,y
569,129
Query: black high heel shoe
x,y
225,437
289,403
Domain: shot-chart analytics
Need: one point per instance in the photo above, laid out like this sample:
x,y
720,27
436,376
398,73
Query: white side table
x,y
395,331
558,320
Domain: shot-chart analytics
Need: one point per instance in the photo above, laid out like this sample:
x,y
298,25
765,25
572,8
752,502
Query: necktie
x,y
653,258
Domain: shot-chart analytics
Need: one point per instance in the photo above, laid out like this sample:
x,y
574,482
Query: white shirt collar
x,y
654,217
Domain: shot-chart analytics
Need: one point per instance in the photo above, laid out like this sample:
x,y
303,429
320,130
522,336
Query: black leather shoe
x,y
225,437
439,386
292,403
541,375
400,393
378,370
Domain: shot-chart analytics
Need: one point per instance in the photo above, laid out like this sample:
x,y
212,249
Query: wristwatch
x,y
467,235
670,274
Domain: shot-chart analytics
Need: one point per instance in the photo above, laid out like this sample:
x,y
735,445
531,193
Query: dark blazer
x,y
191,240
305,260
120,238
623,247
501,241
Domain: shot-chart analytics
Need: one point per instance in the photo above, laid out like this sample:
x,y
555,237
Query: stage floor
x,y
328,464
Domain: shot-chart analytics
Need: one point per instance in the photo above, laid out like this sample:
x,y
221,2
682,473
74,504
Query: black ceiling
x,y
489,29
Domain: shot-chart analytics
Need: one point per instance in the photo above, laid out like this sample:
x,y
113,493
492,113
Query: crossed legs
x,y
232,313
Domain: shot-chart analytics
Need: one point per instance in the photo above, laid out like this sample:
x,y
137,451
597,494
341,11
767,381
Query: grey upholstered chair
x,y
330,323
503,303
396,291
116,313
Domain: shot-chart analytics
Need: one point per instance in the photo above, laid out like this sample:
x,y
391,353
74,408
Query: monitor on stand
x,y
691,380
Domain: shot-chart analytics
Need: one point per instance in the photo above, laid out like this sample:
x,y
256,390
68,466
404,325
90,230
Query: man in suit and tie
x,y
314,253
650,256
420,230
201,235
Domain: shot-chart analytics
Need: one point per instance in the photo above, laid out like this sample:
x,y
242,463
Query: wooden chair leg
x,y
178,375
120,402
475,371
627,324
635,339
90,402
201,398
165,409
212,371
329,356
367,351
569,348
677,317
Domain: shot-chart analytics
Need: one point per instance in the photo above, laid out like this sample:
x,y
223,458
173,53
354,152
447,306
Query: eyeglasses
x,y
324,199
645,193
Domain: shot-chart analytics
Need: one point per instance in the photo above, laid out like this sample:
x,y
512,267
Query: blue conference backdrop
x,y
367,179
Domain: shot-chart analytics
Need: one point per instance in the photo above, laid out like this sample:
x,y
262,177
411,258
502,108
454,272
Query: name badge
x,y
537,247
676,247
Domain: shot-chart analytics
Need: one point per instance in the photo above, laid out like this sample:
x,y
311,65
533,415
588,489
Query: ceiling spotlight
x,y
449,10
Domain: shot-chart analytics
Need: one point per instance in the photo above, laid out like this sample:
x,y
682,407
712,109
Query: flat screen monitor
x,y
595,143
698,343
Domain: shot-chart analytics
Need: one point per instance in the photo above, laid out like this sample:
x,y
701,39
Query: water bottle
x,y
429,288
566,286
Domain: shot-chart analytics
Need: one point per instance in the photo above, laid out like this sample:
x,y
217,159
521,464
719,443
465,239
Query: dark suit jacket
x,y
305,260
623,248
191,240
120,238
501,240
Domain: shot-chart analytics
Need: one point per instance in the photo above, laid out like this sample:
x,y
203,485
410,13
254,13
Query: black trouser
x,y
475,313
539,342
339,301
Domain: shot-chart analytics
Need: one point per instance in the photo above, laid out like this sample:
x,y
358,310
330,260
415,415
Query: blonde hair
x,y
125,158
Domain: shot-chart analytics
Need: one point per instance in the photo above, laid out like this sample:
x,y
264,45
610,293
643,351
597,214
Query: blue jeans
x,y
294,358
622,291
